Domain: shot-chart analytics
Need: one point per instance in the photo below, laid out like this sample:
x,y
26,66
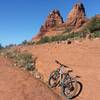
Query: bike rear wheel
x,y
69,87
79,89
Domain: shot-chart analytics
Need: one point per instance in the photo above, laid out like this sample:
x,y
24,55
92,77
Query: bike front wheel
x,y
54,79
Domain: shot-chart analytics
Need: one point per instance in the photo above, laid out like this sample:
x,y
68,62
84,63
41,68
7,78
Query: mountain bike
x,y
70,87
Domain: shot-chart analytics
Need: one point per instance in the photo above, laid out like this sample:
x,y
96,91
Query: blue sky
x,y
21,19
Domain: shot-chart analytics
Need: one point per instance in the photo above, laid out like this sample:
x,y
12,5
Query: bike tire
x,y
78,90
65,86
54,74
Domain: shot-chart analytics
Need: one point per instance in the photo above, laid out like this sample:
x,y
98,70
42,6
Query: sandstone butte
x,y
54,23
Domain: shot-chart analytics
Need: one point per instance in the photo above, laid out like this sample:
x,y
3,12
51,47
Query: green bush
x,y
61,37
24,42
10,45
31,43
1,47
56,38
67,30
44,39
93,25
22,59
96,34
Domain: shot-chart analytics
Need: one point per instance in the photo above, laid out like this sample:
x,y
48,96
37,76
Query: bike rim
x,y
54,79
66,90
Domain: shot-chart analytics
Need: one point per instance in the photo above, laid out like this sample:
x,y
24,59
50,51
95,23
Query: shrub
x,y
56,38
25,60
61,37
10,45
31,43
22,59
1,47
93,25
44,39
96,34
67,30
24,42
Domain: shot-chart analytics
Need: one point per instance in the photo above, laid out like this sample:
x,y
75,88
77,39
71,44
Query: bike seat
x,y
69,71
61,64
78,77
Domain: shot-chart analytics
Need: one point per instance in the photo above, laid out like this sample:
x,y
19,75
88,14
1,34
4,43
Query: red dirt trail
x,y
16,84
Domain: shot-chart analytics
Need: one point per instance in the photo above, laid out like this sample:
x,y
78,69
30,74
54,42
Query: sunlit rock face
x,y
77,16
55,25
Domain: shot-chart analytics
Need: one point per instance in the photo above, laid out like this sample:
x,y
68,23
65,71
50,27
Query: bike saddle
x,y
78,76
61,64
69,71
57,61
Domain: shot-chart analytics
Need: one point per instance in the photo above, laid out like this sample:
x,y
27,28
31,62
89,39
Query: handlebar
x,y
61,64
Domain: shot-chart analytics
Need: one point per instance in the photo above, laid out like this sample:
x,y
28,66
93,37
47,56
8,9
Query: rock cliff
x,y
77,17
54,23
53,20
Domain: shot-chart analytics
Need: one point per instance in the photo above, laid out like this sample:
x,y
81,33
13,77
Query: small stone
x,y
37,75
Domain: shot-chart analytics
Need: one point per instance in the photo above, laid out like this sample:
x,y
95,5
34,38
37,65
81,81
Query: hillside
x,y
83,56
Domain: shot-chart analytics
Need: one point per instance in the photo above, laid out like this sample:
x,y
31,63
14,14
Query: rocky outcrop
x,y
77,17
53,20
54,23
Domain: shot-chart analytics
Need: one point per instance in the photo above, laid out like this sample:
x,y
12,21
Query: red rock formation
x,y
77,17
54,23
54,19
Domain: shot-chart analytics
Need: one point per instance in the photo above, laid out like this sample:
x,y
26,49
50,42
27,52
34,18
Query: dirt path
x,y
16,84
83,57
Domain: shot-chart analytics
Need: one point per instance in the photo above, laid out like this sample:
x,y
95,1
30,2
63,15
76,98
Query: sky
x,y
21,19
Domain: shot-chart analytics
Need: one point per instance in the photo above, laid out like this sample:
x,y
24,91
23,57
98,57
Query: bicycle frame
x,y
62,75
